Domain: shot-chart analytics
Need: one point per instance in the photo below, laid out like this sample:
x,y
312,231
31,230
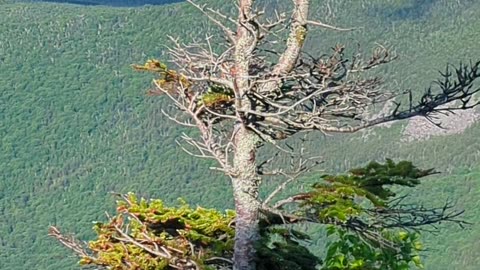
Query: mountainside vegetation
x,y
76,123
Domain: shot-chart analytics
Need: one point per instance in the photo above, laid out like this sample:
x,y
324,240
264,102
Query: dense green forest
x,y
76,124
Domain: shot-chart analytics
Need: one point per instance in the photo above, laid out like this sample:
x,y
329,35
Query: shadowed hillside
x,y
113,3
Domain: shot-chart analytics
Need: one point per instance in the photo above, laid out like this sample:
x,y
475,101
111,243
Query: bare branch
x,y
126,238
171,118
279,189
416,217
70,242
327,26
300,165
228,32
295,41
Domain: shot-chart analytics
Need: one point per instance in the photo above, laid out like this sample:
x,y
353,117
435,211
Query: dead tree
x,y
241,93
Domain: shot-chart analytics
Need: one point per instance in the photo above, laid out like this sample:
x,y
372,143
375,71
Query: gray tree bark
x,y
246,181
245,188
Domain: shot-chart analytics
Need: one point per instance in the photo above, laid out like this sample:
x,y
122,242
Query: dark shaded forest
x,y
114,3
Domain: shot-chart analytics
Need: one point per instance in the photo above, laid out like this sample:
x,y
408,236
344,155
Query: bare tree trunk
x,y
245,188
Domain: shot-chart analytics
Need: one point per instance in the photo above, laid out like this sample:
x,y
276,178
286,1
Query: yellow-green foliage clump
x,y
169,81
173,83
300,35
216,97
149,235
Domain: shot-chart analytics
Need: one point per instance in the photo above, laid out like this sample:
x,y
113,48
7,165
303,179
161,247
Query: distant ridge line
x,y
113,3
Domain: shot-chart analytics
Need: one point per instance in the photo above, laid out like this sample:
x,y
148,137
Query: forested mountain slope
x,y
75,123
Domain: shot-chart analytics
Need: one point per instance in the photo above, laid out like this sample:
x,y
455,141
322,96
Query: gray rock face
x,y
419,128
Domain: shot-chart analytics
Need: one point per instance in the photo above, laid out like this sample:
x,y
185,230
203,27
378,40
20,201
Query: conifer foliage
x,y
368,228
